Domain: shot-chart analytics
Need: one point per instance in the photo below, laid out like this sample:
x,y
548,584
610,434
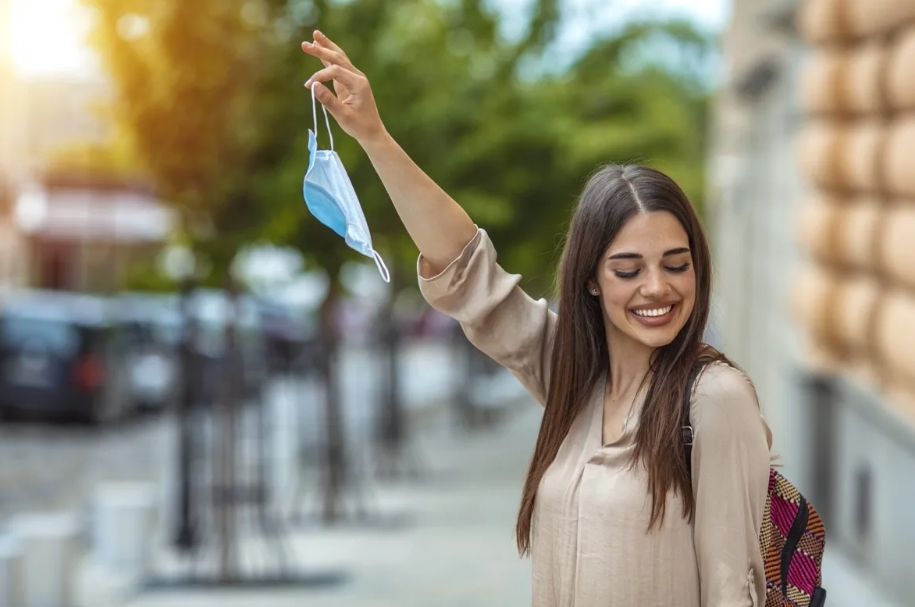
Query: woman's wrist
x,y
377,141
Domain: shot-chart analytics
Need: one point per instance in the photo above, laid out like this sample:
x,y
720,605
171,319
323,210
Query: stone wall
x,y
856,293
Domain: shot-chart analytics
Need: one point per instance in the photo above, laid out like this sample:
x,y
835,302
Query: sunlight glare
x,y
47,37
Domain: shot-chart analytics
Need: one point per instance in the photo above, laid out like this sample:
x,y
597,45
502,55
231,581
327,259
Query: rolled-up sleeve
x,y
497,316
730,463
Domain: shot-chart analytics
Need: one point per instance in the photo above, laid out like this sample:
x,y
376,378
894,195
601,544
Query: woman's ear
x,y
593,289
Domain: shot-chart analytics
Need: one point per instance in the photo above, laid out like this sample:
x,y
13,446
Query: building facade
x,y
812,180
10,143
59,229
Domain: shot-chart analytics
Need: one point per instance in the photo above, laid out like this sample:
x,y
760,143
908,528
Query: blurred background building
x,y
64,228
811,174
9,93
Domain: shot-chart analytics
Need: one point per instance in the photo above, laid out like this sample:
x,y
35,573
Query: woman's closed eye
x,y
633,273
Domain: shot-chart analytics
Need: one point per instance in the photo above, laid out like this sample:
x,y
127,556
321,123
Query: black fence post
x,y
186,532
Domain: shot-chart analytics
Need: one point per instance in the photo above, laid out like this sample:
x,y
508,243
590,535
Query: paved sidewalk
x,y
458,548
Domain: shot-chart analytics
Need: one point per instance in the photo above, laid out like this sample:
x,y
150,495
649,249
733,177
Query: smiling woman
x,y
48,37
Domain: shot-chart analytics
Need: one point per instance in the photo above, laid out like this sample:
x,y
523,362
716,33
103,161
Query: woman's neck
x,y
629,364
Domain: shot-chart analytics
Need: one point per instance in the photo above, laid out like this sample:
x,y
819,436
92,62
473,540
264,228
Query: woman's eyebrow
x,y
677,251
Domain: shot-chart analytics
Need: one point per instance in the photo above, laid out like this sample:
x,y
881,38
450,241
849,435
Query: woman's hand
x,y
353,106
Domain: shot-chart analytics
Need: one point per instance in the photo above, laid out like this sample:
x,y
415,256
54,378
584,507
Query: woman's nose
x,y
655,284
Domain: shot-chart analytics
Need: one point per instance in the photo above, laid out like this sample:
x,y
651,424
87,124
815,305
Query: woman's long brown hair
x,y
580,357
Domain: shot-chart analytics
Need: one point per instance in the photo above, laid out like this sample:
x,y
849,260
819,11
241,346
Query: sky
x,y
47,35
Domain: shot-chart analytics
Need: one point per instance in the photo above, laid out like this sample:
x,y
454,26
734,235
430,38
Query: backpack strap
x,y
686,429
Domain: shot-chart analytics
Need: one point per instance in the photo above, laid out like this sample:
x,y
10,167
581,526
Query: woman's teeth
x,y
655,312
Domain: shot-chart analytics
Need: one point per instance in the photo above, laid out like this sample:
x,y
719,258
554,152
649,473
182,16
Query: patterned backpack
x,y
791,540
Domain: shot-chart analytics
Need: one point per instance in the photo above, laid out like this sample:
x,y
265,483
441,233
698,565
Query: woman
x,y
611,513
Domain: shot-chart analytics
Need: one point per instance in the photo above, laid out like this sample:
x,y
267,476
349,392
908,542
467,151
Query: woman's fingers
x,y
327,99
327,42
322,53
350,101
328,55
335,72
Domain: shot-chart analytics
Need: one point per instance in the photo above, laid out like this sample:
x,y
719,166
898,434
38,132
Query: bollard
x,y
11,589
122,526
50,554
284,429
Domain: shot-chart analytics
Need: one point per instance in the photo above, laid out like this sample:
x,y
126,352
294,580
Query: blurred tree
x,y
180,73
103,160
230,149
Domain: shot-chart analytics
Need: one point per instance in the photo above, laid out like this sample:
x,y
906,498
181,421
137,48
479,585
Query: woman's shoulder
x,y
724,398
721,380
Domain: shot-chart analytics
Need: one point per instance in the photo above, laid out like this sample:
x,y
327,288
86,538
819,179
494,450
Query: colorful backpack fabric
x,y
792,538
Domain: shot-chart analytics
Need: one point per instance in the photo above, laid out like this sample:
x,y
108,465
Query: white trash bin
x,y
49,545
11,573
123,521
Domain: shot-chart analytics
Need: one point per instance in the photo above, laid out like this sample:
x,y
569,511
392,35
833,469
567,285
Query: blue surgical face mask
x,y
330,196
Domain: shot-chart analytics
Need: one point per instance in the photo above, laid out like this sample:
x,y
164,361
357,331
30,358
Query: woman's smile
x,y
654,315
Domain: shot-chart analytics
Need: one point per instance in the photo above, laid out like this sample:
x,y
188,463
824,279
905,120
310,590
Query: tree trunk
x,y
335,461
186,537
229,414
391,423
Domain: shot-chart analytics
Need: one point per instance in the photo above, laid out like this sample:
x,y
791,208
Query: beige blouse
x,y
590,545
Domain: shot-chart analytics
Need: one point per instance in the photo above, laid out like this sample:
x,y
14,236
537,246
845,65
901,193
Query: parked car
x,y
154,326
61,354
152,329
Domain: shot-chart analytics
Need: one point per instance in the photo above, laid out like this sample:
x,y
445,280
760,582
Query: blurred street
x,y
57,466
457,546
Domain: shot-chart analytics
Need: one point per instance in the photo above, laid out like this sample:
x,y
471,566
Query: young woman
x,y
612,513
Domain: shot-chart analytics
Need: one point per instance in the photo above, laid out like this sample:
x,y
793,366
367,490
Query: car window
x,y
59,337
168,334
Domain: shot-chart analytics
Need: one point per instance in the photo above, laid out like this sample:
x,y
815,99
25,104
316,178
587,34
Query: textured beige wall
x,y
831,21
856,297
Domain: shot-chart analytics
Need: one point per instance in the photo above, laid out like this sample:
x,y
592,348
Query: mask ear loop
x,y
314,117
383,269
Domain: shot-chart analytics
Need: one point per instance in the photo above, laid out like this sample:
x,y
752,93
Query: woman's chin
x,y
657,337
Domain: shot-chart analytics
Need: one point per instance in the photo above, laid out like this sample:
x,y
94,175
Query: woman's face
x,y
646,282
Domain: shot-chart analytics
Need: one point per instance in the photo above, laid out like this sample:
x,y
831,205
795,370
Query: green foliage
x,y
612,106
180,72
431,67
107,160
144,276
212,98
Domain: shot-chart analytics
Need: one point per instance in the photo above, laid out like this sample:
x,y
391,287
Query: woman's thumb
x,y
326,97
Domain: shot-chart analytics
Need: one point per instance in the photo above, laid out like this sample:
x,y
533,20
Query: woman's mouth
x,y
656,316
